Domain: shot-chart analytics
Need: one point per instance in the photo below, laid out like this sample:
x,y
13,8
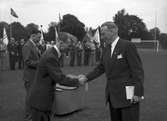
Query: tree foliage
x,y
72,25
18,31
155,33
50,35
130,26
163,40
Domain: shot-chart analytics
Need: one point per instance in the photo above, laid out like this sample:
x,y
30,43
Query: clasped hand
x,y
81,78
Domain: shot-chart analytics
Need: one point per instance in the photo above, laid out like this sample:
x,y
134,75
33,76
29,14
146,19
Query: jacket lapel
x,y
35,50
116,50
55,53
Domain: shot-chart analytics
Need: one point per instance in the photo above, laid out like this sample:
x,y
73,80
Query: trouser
x,y
130,113
72,59
20,62
2,63
38,115
79,58
27,103
12,60
86,57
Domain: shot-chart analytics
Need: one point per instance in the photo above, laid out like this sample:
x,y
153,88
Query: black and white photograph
x,y
83,60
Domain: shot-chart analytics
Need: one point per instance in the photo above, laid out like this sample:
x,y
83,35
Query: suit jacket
x,y
48,74
124,68
31,58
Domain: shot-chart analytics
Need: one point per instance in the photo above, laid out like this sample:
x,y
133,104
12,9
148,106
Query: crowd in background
x,y
78,54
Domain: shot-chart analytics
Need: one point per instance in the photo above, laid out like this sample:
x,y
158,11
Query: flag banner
x,y
13,13
56,35
96,37
60,19
42,38
5,37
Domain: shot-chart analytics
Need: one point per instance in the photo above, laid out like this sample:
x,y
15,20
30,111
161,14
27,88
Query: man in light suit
x,y
123,67
48,74
31,58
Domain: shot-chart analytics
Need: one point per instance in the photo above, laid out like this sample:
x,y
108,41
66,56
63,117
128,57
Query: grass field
x,y
153,108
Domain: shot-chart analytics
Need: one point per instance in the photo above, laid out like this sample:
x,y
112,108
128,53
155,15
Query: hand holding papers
x,y
130,94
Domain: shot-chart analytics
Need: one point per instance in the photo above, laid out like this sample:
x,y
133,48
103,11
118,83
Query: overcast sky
x,y
91,12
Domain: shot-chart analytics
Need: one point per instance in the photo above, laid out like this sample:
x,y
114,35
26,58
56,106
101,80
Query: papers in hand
x,y
129,92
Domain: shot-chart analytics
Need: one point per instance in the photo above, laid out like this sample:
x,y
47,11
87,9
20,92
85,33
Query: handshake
x,y
81,78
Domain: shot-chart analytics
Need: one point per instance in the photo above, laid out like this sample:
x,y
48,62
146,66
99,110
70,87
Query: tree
x,y
50,35
155,33
18,31
72,25
163,40
130,26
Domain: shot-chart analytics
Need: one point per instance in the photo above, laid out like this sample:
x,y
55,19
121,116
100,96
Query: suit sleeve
x,y
57,75
97,71
137,72
28,59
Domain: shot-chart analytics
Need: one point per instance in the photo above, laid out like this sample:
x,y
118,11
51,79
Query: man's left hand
x,y
136,99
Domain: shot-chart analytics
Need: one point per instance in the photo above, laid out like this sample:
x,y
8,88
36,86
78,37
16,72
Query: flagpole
x,y
10,27
155,32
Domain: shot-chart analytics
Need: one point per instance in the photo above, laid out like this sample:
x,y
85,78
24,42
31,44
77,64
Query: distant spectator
x,y
20,55
12,49
79,49
2,54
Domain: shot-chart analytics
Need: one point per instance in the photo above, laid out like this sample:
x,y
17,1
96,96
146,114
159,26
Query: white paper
x,y
129,92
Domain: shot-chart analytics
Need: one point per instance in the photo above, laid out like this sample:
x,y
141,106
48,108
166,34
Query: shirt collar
x,y
32,42
115,42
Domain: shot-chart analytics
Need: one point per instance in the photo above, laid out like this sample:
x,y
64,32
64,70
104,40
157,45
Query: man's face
x,y
107,35
36,37
22,41
12,40
64,45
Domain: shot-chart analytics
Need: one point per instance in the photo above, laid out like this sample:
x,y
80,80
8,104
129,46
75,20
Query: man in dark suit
x,y
12,49
123,67
48,74
31,58
20,54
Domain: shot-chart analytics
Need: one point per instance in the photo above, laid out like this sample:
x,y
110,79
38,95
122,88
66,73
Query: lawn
x,y
153,108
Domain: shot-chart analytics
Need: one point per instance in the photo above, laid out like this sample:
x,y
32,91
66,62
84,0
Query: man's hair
x,y
33,32
110,25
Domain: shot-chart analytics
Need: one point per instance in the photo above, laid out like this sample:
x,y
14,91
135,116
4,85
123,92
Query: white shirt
x,y
114,43
58,51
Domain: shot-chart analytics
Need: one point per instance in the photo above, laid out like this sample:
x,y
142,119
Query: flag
x,y
56,35
96,37
60,20
42,38
58,25
13,13
5,37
